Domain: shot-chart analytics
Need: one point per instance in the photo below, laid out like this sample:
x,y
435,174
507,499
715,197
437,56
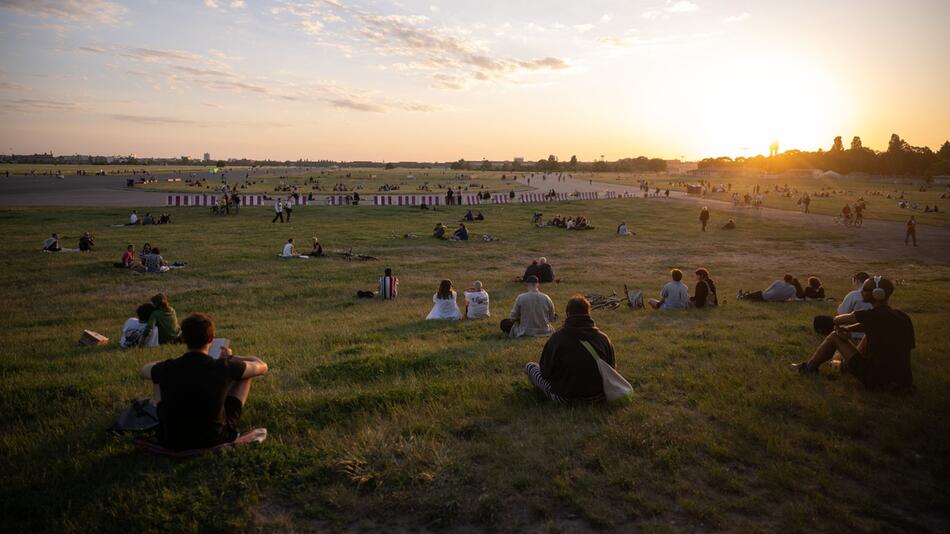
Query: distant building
x,y
207,157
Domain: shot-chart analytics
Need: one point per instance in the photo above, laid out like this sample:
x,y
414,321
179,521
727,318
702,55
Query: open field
x,y
845,190
381,420
67,170
364,181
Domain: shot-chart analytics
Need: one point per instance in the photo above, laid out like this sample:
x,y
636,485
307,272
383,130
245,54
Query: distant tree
x,y
856,143
837,145
573,163
460,165
486,165
944,152
390,166
896,144
220,163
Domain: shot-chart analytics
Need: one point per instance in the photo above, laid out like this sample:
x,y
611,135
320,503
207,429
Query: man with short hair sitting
x,y
568,370
200,397
881,360
674,295
532,314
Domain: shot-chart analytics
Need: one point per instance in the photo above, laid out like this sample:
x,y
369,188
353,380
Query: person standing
x,y
278,211
289,207
911,230
704,217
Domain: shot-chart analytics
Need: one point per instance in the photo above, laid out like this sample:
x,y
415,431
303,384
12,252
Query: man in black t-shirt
x,y
881,360
200,398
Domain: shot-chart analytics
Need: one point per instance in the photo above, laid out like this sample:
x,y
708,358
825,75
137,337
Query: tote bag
x,y
616,386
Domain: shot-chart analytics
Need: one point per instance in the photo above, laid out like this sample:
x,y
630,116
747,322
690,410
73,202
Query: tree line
x,y
552,164
900,159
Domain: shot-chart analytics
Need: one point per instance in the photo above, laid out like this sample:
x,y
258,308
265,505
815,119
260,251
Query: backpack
x,y
616,386
634,298
711,292
141,416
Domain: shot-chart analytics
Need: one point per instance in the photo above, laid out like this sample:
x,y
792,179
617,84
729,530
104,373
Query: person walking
x,y
278,211
288,207
704,217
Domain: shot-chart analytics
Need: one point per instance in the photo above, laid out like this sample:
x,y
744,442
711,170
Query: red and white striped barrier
x,y
201,199
499,199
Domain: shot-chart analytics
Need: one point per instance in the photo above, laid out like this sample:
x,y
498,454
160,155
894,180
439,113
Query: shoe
x,y
738,294
804,369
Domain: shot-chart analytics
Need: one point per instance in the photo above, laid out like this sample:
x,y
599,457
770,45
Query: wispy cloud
x,y
671,8
737,18
100,11
153,119
38,104
154,54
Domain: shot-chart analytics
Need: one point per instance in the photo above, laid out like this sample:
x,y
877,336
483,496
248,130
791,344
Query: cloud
x,y
629,41
671,8
356,105
203,72
92,49
237,4
152,119
100,11
213,4
737,18
154,54
11,86
38,104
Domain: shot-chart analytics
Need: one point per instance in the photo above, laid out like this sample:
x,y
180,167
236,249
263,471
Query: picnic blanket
x,y
256,435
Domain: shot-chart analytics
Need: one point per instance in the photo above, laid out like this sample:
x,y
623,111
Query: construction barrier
x,y
203,199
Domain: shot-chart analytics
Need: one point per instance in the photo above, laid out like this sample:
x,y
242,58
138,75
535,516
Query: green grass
x,y
381,420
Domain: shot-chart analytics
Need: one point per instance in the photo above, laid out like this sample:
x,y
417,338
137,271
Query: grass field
x,y
381,420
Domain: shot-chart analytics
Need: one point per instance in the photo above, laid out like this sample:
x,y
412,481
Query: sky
x,y
440,80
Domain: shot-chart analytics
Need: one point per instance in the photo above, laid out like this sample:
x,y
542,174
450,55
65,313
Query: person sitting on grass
x,y
128,258
468,216
881,361
461,234
532,314
201,397
814,291
290,250
148,219
439,231
388,285
480,217
317,248
476,302
444,306
154,262
567,370
731,225
134,327
133,219
545,271
165,219
164,319
705,295
674,295
779,291
531,270
623,231
86,242
146,249
51,244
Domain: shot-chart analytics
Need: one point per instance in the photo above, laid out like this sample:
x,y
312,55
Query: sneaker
x,y
804,369
738,294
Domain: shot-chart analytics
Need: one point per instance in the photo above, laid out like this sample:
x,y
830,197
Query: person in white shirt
x,y
133,219
674,295
476,302
622,230
278,211
444,306
853,302
290,251
134,328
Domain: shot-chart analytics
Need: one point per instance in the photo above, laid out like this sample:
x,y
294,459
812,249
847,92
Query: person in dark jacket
x,y
532,270
705,295
567,371
545,271
814,290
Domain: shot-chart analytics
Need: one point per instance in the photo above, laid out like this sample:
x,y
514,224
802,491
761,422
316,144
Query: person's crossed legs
x,y
533,371
835,342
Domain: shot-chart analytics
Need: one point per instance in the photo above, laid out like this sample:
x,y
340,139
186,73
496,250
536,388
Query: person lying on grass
x,y
705,295
134,327
674,295
532,313
476,302
730,225
201,397
881,361
779,291
164,319
567,371
51,244
444,306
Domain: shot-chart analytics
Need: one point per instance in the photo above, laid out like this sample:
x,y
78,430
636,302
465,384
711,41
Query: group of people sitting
x,y
469,217
290,249
675,293
569,223
86,243
445,306
150,260
134,220
786,289
541,269
155,323
441,232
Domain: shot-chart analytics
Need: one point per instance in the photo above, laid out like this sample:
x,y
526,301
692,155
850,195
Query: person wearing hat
x,y
881,361
532,314
476,302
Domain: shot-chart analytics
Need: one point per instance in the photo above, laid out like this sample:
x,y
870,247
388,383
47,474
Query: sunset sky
x,y
440,80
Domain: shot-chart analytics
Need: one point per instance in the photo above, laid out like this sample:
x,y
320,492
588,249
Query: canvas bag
x,y
616,386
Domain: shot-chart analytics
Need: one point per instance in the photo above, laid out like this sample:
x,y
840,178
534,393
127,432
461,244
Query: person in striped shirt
x,y
388,285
